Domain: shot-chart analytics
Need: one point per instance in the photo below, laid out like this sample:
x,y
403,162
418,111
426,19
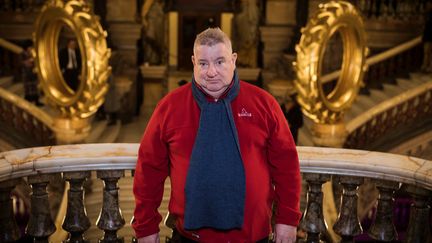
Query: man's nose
x,y
211,71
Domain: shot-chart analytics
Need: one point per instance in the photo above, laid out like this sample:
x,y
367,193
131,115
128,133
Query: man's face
x,y
72,44
214,67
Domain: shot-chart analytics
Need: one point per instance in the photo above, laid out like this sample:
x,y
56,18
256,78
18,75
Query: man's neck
x,y
217,94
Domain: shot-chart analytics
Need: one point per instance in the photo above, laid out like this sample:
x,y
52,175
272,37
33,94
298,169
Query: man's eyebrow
x,y
217,59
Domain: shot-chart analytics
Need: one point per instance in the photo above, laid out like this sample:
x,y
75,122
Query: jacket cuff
x,y
142,231
289,216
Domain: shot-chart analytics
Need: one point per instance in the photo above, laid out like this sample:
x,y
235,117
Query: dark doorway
x,y
190,24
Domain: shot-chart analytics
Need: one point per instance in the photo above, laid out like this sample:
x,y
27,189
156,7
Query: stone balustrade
x,y
405,109
394,63
350,168
24,122
388,65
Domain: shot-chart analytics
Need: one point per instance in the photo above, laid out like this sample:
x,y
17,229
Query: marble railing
x,y
25,122
403,110
386,66
10,60
394,63
350,168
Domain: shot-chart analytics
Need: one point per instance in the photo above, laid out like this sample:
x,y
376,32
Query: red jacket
x,y
269,156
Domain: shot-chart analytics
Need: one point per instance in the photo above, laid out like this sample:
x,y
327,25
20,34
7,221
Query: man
x,y
70,64
29,77
229,153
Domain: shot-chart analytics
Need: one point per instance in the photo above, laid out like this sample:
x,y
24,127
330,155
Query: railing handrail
x,y
28,107
121,156
378,58
393,51
367,115
11,46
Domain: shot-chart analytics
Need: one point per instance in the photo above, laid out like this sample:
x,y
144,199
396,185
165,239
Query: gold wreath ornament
x,y
332,18
90,37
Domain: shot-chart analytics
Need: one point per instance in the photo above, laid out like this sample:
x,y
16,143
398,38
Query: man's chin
x,y
215,88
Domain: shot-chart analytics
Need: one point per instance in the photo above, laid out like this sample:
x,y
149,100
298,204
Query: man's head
x,y
214,61
71,44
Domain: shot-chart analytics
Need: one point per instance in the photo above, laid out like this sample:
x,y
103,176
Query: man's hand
x,y
154,238
285,233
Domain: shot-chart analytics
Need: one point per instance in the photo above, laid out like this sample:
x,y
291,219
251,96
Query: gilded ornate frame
x,y
333,17
76,15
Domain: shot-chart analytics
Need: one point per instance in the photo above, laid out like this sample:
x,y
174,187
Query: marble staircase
x,y
364,102
102,131
6,81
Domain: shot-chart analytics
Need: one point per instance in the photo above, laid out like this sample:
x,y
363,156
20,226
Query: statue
x,y
153,34
246,34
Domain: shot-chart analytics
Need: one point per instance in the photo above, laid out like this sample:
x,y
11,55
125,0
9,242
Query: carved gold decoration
x,y
326,110
77,16
332,18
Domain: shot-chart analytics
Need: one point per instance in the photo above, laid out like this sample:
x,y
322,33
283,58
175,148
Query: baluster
x,y
418,227
19,118
110,219
348,224
9,231
383,228
76,221
40,225
8,113
313,219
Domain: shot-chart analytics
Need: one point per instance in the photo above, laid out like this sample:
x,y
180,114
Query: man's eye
x,y
203,64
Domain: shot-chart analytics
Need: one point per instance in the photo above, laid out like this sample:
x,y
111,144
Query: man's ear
x,y
234,57
193,60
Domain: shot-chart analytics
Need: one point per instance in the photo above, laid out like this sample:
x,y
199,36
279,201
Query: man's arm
x,y
284,169
150,174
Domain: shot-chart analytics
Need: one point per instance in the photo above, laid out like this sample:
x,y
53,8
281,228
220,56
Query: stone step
x,y
377,96
364,103
421,77
392,89
17,88
406,84
6,82
353,112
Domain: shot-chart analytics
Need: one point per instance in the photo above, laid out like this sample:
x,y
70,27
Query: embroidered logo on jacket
x,y
244,113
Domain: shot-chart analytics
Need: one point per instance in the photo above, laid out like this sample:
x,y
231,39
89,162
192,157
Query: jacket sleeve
x,y
284,169
150,174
